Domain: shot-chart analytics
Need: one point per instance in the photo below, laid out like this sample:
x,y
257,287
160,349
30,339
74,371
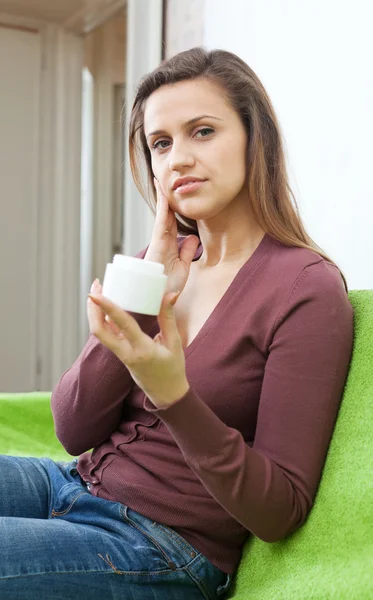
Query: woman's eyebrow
x,y
190,122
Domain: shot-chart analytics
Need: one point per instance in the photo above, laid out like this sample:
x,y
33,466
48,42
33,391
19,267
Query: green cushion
x,y
331,556
26,426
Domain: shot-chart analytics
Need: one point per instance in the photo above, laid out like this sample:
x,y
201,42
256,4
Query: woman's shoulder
x,y
290,277
295,264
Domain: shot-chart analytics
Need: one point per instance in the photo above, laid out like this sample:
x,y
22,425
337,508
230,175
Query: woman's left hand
x,y
156,365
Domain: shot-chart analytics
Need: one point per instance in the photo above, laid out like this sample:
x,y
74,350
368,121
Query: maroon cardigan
x,y
243,451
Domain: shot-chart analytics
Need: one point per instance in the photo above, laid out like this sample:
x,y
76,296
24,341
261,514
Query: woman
x,y
212,421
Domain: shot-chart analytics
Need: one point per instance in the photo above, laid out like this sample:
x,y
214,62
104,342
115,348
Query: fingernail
x,y
95,285
173,301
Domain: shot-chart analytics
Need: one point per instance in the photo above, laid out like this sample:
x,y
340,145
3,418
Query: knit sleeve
x,y
270,487
87,402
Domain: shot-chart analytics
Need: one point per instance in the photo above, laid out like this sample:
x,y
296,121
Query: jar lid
x,y
131,263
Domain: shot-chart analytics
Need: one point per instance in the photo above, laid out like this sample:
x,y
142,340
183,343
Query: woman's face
x,y
192,131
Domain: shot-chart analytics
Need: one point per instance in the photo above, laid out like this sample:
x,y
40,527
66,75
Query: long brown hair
x,y
273,202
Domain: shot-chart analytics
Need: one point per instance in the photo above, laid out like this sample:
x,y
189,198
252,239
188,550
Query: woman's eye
x,y
157,147
205,129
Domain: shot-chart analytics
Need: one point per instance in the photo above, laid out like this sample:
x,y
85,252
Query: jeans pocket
x,y
66,498
177,539
186,547
149,537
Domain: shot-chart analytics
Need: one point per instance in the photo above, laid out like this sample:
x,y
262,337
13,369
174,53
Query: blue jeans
x,y
59,541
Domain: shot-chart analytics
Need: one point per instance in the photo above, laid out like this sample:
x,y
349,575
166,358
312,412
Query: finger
x,y
158,339
96,317
112,325
126,323
106,331
172,224
166,319
116,342
162,224
96,286
97,321
189,249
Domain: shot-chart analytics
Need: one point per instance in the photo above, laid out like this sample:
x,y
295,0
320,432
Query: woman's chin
x,y
193,208
194,215
198,213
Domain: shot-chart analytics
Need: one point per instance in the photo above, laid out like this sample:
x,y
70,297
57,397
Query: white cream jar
x,y
135,284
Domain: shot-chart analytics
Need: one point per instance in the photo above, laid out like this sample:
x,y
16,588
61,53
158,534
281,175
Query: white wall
x,y
315,60
20,59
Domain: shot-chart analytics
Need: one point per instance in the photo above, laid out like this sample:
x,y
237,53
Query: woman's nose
x,y
180,157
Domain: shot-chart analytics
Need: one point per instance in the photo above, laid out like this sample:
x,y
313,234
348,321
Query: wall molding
x,y
16,21
87,18
93,14
19,28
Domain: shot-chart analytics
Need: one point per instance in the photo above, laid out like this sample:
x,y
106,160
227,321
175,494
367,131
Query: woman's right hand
x,y
163,247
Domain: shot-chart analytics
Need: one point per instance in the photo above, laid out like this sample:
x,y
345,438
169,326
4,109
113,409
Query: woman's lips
x,y
189,187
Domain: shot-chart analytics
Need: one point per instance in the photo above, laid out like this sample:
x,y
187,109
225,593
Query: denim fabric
x,y
59,542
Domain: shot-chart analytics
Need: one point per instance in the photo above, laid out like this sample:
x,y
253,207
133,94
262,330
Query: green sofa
x,y
331,556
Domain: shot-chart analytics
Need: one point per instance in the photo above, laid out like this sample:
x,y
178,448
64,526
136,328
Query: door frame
x,y
144,53
58,223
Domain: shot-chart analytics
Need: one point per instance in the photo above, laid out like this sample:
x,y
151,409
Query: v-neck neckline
x,y
260,251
